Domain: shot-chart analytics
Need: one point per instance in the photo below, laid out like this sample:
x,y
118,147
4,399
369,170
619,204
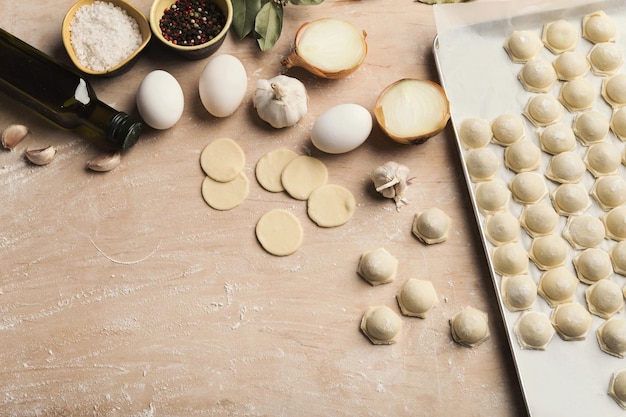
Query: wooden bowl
x,y
196,51
127,63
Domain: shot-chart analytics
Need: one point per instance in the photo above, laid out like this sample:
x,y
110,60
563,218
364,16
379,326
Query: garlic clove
x,y
328,47
391,180
105,162
13,135
41,156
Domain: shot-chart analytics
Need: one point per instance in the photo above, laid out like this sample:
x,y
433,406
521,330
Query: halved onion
x,y
328,47
410,110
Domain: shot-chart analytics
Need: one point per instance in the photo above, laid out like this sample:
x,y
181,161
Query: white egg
x,y
341,128
223,84
160,100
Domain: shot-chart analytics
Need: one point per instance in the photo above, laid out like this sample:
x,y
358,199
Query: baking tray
x,y
569,378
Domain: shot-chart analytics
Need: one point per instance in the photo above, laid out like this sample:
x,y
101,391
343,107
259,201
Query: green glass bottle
x,y
62,95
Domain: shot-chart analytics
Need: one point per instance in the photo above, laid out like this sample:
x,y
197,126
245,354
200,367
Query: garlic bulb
x,y
392,180
280,101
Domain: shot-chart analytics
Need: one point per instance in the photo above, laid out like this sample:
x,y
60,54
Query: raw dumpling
x,y
510,259
469,327
614,90
518,292
534,330
543,109
603,158
584,231
539,219
618,123
522,156
617,388
604,298
618,257
501,228
474,133
606,58
417,297
381,325
492,196
593,265
560,36
558,138
571,65
548,251
431,226
482,164
615,223
523,45
577,95
528,187
609,191
537,75
557,286
570,199
598,27
571,321
612,337
507,129
590,127
378,267
565,168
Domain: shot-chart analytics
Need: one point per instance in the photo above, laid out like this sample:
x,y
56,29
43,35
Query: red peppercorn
x,y
201,21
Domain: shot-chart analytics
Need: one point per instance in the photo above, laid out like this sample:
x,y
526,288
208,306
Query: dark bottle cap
x,y
122,131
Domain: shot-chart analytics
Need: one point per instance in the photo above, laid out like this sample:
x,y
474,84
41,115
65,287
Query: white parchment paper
x,y
568,378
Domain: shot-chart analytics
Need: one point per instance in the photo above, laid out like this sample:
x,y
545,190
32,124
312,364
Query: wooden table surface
x,y
124,294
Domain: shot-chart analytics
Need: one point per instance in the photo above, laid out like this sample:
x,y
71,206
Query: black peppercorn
x,y
192,22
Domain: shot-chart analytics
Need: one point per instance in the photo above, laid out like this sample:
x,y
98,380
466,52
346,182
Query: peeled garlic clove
x,y
280,101
328,47
41,156
410,111
105,162
13,135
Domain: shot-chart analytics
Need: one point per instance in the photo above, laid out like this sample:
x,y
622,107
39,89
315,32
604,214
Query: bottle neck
x,y
62,95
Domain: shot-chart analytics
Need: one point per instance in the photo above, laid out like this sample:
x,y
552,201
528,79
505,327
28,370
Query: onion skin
x,y
417,138
294,59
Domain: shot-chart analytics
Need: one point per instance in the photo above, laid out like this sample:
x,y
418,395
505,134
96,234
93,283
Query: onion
x,y
410,111
328,47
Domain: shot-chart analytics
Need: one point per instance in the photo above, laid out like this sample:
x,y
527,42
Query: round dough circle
x,y
302,175
279,232
225,195
330,205
270,167
222,160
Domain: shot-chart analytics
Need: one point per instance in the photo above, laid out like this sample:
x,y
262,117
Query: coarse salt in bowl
x,y
196,51
104,37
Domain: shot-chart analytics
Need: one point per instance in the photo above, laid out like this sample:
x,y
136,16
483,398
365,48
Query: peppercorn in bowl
x,y
193,28
104,37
